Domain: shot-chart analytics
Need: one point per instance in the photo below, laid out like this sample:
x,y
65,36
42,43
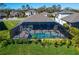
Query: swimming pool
x,y
47,35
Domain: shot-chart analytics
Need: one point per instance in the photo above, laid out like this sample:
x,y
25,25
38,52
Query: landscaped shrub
x,y
44,42
25,41
39,40
66,26
10,41
55,42
75,41
35,41
74,31
5,34
3,43
60,42
29,41
1,39
19,41
68,43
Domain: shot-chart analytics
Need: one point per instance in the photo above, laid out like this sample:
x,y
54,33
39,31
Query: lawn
x,y
11,23
36,49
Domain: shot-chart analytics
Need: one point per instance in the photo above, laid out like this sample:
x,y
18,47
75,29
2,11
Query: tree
x,y
49,9
75,41
23,7
41,9
58,7
54,8
72,30
28,7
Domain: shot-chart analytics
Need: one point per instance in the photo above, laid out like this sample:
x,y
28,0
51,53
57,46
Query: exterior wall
x,y
29,13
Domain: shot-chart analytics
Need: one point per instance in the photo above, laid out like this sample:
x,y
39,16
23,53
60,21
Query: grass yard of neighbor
x,y
11,23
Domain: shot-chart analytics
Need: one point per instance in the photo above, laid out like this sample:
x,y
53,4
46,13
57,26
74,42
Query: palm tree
x,y
41,9
54,8
28,7
58,7
23,7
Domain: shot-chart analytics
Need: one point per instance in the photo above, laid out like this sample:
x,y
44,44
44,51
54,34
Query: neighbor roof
x,y
72,18
66,12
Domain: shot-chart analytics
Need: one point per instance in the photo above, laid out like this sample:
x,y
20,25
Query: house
x,y
72,20
62,14
13,14
30,12
2,15
38,26
44,13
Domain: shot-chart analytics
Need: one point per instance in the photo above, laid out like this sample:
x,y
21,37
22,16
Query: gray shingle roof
x,y
38,18
72,18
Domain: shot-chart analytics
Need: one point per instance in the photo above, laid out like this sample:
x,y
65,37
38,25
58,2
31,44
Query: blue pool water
x,y
43,35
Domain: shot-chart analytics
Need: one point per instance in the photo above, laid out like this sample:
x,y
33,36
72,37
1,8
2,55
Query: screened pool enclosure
x,y
39,30
39,26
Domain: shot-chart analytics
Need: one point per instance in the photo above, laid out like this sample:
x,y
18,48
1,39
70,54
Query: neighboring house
x,y
50,15
44,13
30,12
61,15
72,20
38,26
2,15
13,14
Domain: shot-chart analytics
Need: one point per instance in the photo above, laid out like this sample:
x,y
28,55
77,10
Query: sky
x,y
36,5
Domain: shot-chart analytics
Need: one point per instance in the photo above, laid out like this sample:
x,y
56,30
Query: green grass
x,y
11,23
5,34
33,49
